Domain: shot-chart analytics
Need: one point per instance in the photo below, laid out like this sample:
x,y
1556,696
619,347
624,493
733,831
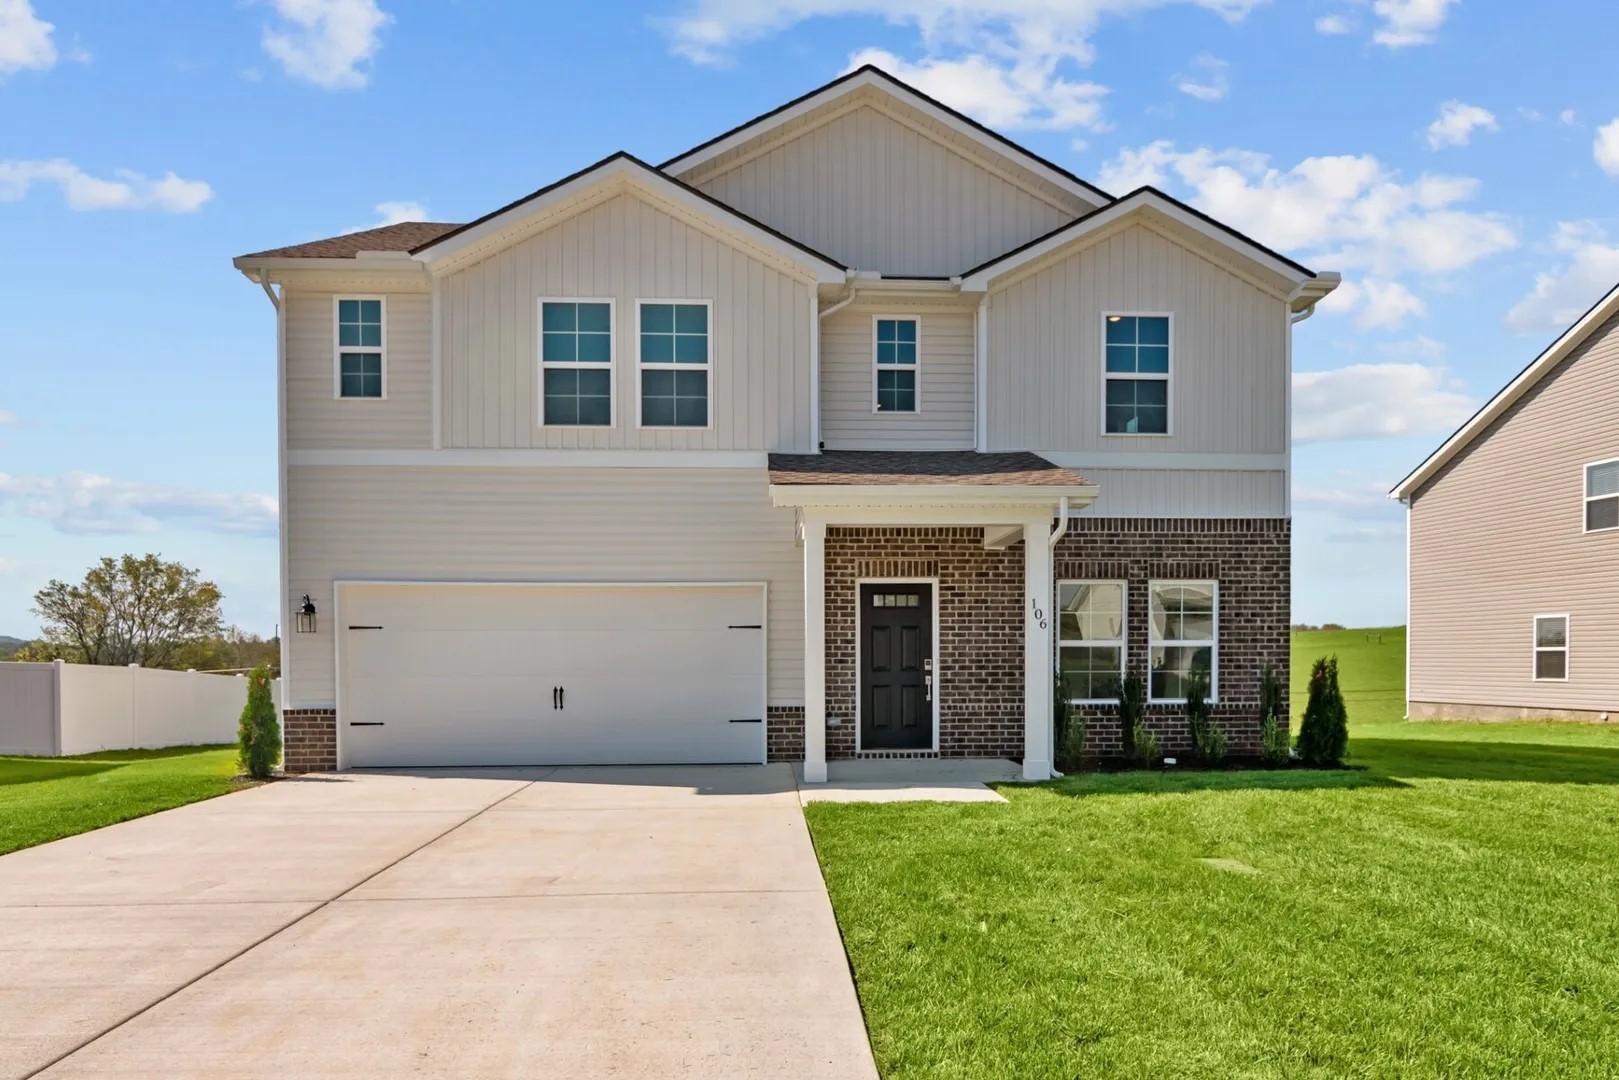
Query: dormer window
x,y
895,388
1602,496
360,369
1136,367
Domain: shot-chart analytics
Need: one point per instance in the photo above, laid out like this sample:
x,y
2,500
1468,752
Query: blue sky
x,y
1457,160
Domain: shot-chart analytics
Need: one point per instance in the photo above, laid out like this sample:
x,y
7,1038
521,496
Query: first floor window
x,y
576,363
359,348
1602,496
1181,637
896,365
1136,363
1090,638
676,357
1551,647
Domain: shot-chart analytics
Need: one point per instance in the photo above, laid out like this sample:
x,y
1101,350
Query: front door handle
x,y
927,682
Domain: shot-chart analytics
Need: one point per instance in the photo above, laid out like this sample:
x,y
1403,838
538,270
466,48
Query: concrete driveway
x,y
563,922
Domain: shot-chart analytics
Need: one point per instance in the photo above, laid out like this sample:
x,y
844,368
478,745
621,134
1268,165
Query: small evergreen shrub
x,y
1275,740
1324,736
1140,745
1068,726
1208,741
258,734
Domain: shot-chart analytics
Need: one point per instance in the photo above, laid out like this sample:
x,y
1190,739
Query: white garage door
x,y
550,674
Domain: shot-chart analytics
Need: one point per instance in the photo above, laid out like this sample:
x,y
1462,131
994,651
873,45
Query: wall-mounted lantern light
x,y
306,616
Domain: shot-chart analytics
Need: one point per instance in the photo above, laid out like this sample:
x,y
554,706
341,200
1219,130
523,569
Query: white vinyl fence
x,y
57,709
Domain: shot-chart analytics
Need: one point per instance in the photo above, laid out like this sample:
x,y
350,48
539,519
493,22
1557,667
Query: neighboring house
x,y
1513,564
819,441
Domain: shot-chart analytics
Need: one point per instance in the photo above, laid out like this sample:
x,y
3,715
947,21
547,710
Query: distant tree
x,y
36,652
258,735
129,611
234,649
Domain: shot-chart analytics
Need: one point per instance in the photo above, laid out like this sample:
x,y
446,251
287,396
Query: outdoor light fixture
x,y
306,616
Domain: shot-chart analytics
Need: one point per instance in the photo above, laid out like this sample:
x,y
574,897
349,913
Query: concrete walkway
x,y
666,922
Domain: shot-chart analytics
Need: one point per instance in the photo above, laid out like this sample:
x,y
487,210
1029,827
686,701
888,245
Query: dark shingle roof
x,y
919,467
402,237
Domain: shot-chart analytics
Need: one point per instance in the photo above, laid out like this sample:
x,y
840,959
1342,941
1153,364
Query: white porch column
x,y
1038,621
814,651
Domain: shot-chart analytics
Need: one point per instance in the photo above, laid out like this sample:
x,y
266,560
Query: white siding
x,y
1229,380
520,524
879,194
1204,493
945,361
316,418
626,249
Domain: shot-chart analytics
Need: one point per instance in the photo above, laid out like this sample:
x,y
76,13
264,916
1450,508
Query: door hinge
x,y
754,720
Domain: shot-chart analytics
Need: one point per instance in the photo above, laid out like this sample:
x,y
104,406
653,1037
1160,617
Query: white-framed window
x,y
1136,365
359,347
1551,648
675,357
576,362
1602,496
1091,639
896,368
1183,637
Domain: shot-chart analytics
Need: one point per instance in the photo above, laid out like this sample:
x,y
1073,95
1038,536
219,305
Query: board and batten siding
x,y
878,194
1497,537
1228,382
522,524
316,417
626,249
945,366
1187,493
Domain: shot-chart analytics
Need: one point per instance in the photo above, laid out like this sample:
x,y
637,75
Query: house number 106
x,y
1039,616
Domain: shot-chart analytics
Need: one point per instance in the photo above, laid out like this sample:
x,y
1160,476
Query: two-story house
x,y
825,439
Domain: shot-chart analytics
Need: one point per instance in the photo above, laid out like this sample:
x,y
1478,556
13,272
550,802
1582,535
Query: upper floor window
x,y
895,387
1551,647
1090,638
360,348
676,356
1602,496
1181,637
1136,365
576,363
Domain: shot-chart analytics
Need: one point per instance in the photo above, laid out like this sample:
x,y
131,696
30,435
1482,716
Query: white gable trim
x,y
1497,406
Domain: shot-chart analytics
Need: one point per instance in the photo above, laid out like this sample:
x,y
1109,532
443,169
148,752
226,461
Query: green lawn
x,y
48,798
1447,910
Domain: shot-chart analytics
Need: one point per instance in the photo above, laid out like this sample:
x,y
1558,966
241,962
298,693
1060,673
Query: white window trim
x,y
1588,499
338,348
643,365
1123,643
540,365
860,656
1154,642
916,367
1168,377
1566,648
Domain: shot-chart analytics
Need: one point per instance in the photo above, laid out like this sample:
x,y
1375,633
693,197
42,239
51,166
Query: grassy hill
x,y
1371,670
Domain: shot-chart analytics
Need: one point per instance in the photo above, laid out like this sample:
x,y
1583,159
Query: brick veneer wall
x,y
784,733
308,740
1252,561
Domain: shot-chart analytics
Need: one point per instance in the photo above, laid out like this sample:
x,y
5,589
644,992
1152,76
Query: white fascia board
x,y
1555,353
898,498
1080,460
366,263
530,459
1312,292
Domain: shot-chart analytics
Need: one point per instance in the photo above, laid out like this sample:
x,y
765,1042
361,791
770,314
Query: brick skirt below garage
x,y
309,740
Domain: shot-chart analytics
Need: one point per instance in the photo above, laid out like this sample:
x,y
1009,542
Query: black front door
x,y
896,667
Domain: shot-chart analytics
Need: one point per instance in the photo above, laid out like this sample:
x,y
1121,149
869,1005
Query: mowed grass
x,y
48,798
1446,909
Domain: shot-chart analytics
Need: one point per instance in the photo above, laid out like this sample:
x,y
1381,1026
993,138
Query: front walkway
x,y
571,922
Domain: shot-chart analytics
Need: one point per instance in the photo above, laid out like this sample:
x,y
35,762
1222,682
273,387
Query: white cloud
x,y
83,503
130,191
1359,500
1375,401
1606,148
1209,79
325,42
1566,118
1420,346
7,566
1346,212
1375,303
1531,115
394,213
1456,123
25,39
1333,24
1409,22
8,417
1022,96
1561,296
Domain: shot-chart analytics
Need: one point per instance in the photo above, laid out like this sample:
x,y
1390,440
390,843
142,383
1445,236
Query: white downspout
x,y
815,347
284,605
1299,316
1057,534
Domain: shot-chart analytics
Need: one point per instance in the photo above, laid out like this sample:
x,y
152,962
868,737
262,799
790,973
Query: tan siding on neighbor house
x,y
880,194
1497,537
316,418
1228,384
625,249
945,362
523,524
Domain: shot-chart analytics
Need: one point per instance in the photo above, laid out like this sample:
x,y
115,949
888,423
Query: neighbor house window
x,y
1090,638
360,348
1136,363
896,366
576,363
1602,496
676,357
1181,637
1551,647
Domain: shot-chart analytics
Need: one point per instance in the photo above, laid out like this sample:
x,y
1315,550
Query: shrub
x,y
1275,740
1140,745
1068,726
1208,741
1324,735
258,734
